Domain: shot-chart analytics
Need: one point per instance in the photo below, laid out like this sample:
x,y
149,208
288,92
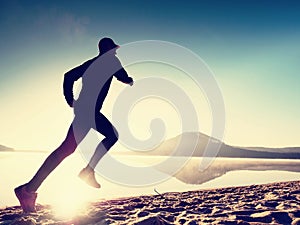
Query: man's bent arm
x,y
122,76
69,78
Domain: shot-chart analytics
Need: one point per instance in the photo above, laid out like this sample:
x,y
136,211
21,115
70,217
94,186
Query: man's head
x,y
106,44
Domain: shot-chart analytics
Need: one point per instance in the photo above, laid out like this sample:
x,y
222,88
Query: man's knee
x,y
111,139
115,136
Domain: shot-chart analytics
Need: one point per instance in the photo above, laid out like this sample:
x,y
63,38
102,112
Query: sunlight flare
x,y
71,202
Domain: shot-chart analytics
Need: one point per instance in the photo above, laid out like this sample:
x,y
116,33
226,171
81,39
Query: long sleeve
x,y
68,88
122,75
71,76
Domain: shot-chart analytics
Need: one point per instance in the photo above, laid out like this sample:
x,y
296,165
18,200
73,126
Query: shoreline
x,y
273,203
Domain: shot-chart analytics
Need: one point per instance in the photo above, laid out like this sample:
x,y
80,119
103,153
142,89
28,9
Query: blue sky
x,y
252,47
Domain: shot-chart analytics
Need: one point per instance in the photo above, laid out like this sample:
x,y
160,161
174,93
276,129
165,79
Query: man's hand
x,y
130,81
71,104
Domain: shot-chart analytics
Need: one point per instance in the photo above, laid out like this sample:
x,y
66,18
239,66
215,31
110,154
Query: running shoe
x,y
88,176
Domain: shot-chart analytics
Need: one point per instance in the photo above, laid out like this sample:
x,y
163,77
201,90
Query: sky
x,y
252,47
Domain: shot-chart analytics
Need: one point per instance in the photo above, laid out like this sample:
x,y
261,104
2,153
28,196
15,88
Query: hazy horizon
x,y
124,149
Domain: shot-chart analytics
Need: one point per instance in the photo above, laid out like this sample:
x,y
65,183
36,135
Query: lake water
x,y
63,187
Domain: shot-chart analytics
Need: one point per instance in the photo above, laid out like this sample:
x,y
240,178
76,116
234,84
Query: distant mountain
x,y
199,140
4,148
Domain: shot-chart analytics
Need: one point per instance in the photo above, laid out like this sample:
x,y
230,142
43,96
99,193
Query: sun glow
x,y
67,195
70,202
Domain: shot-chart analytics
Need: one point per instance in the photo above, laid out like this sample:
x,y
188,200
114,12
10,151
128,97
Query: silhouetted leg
x,y
103,126
67,147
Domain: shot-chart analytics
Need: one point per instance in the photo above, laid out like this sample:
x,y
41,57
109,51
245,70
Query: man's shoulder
x,y
79,70
90,61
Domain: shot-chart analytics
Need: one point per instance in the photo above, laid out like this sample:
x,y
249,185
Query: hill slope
x,y
199,141
4,148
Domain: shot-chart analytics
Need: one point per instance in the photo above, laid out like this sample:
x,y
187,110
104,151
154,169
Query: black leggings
x,y
69,145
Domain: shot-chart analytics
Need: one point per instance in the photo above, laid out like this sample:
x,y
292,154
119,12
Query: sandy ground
x,y
276,203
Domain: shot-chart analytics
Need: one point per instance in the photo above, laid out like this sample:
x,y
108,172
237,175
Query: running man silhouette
x,y
95,86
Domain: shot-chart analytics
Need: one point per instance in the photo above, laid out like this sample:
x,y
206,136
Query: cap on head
x,y
106,44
